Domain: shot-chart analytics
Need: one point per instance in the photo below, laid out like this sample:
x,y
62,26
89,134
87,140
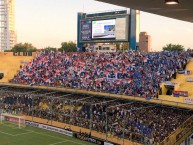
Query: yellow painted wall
x,y
10,64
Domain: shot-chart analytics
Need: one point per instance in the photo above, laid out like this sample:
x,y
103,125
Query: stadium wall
x,y
98,135
6,53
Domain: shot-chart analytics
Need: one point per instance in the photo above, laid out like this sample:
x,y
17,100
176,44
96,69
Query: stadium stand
x,y
182,83
132,120
133,73
125,74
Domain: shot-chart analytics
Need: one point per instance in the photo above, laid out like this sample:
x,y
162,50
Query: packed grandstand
x,y
133,73
130,73
140,122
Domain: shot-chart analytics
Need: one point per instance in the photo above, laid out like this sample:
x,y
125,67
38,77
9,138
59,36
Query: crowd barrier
x,y
180,134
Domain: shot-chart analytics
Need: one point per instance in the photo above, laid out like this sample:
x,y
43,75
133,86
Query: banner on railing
x,y
107,143
92,139
168,83
188,100
181,71
180,93
50,128
189,79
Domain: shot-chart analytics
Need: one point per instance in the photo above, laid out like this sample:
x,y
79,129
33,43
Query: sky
x,y
49,22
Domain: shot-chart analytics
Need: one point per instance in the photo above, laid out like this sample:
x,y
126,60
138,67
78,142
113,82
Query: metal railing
x,y
180,133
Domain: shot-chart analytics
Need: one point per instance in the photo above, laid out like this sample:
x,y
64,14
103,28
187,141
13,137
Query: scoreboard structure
x,y
108,27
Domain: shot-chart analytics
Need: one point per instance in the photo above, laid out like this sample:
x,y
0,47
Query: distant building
x,y
144,42
7,25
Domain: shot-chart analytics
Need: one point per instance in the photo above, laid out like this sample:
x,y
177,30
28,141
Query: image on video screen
x,y
104,29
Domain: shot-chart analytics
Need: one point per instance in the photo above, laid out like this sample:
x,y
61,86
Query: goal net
x,y
15,120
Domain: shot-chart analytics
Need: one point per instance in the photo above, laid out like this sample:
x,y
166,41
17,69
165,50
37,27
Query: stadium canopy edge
x,y
183,11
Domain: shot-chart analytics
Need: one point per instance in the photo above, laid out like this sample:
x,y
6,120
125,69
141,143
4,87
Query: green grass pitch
x,y
10,134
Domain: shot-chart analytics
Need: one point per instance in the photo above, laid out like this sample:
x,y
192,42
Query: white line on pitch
x,y
57,138
16,128
23,133
58,142
11,126
6,133
47,135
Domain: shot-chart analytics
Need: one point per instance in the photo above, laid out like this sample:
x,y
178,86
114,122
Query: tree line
x,y
28,47
71,47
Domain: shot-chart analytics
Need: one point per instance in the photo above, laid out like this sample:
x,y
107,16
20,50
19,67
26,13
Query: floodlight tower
x,y
7,24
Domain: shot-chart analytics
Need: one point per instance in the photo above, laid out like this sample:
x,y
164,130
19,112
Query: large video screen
x,y
121,29
103,29
108,30
85,34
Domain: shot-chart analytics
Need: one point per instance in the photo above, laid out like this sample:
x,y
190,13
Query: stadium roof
x,y
182,11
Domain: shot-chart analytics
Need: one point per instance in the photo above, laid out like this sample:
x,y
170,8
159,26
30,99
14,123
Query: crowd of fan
x,y
141,122
130,73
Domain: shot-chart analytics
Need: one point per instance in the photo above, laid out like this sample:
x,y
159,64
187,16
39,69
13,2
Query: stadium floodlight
x,y
171,2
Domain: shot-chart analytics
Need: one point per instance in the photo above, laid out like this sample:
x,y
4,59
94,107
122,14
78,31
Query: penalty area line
x,y
57,138
24,133
6,133
58,142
